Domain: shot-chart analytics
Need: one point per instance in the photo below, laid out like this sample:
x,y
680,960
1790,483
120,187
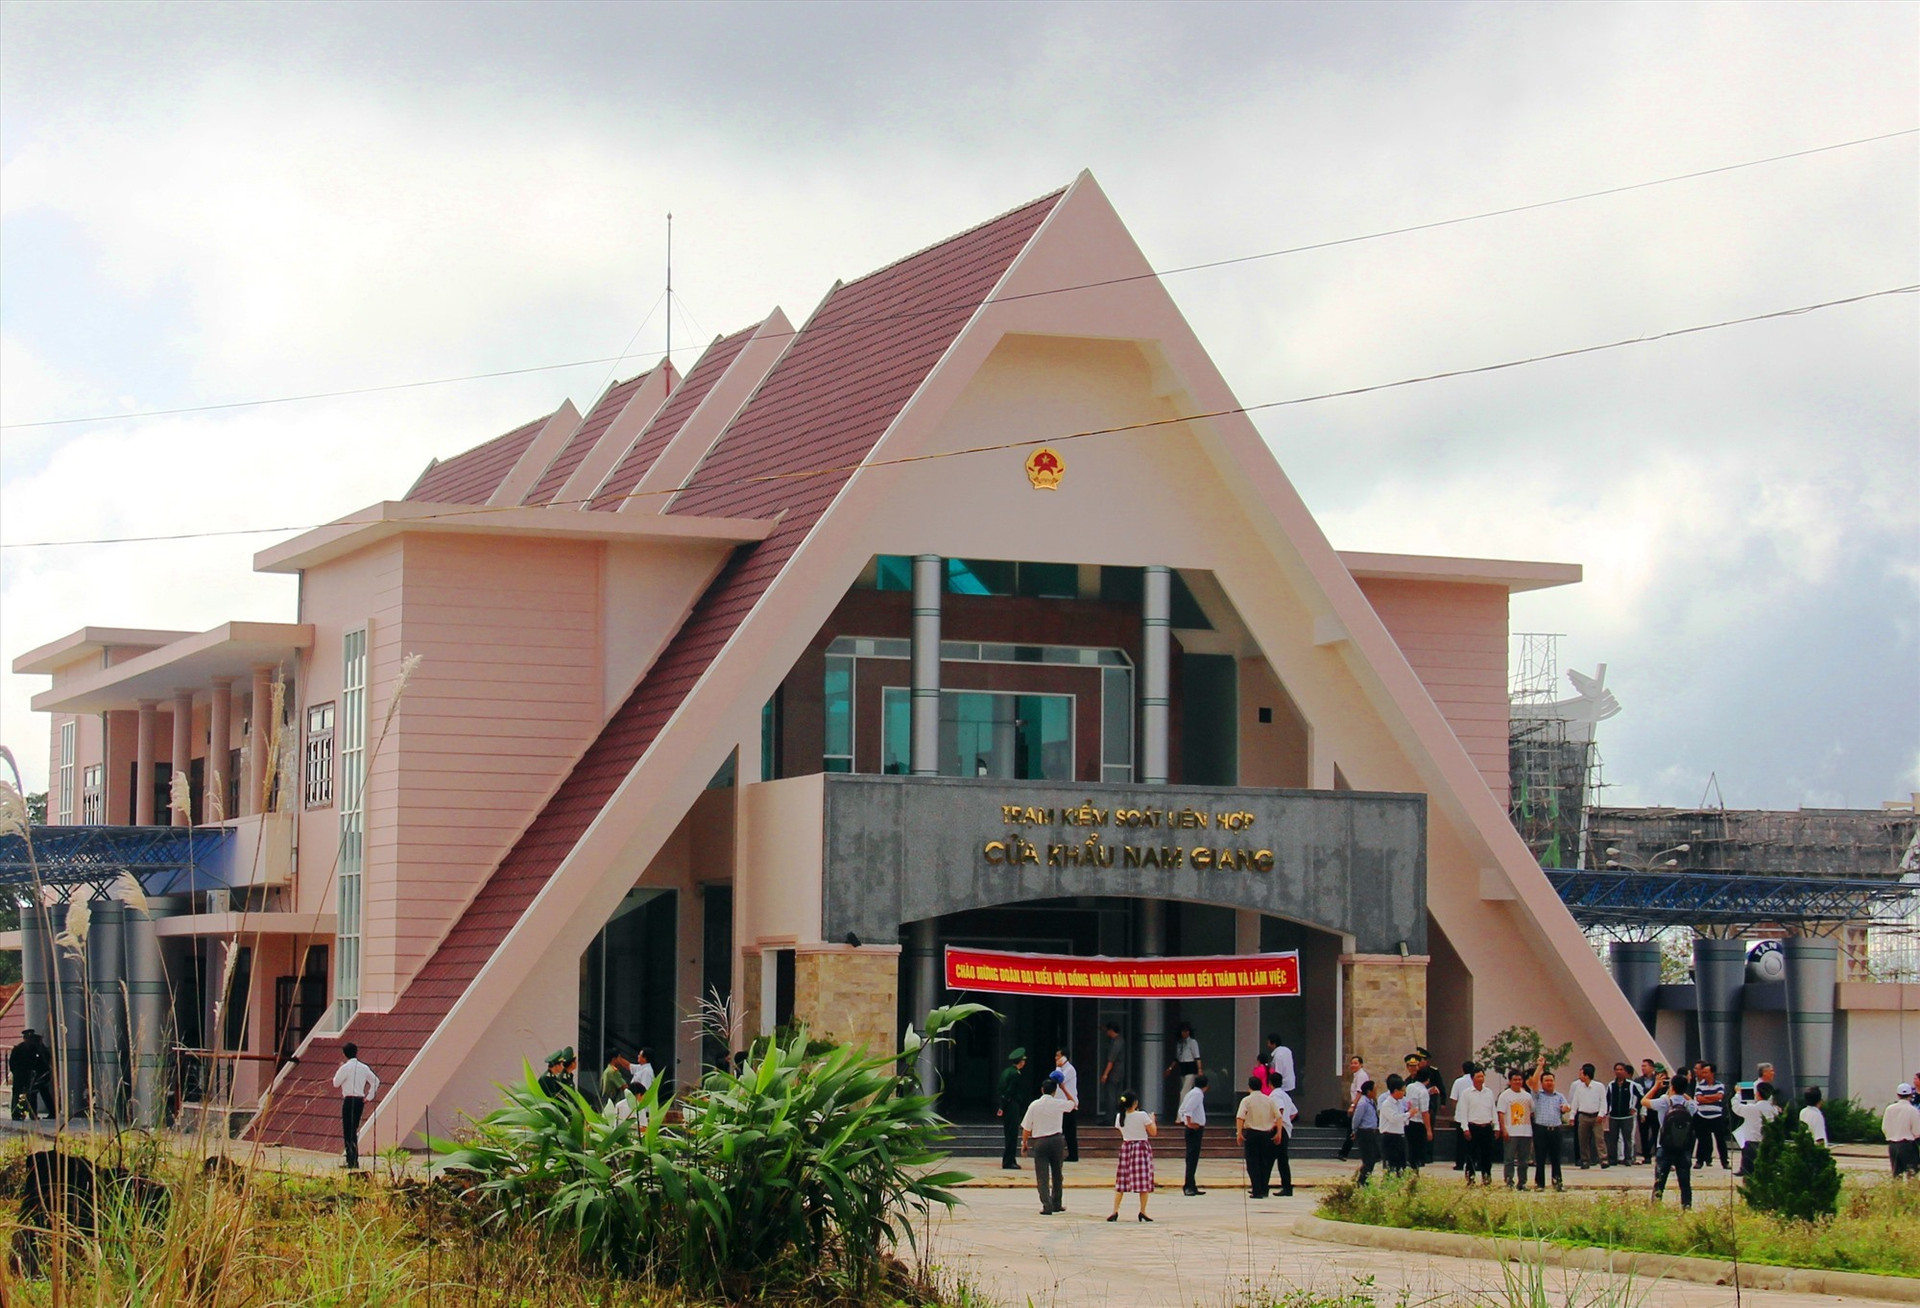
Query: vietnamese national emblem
x,y
1045,468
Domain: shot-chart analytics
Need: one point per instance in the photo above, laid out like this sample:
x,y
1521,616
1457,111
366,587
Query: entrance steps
x,y
983,1140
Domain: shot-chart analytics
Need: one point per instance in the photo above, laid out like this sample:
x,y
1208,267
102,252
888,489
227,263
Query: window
x,y
837,755
771,738
985,577
1023,737
69,732
351,779
319,753
93,794
893,572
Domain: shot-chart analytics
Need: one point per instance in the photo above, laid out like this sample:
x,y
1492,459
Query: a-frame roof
x,y
821,402
473,476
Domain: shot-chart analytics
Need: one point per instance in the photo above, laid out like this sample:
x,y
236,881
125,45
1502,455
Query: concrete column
x,y
149,1010
259,739
36,976
1383,1009
929,585
1636,970
143,764
182,753
1812,968
1247,1043
923,972
70,1047
219,741
1153,1012
1719,980
106,1006
1156,641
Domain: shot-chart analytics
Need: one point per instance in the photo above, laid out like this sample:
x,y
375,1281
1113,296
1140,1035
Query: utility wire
x,y
1029,442
1026,295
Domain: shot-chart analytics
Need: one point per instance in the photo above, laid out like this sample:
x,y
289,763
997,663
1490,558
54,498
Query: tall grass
x,y
1874,1231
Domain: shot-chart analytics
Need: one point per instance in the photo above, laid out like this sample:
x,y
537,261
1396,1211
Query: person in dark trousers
x,y
1193,1123
1463,1155
1256,1124
1550,1114
31,1067
1010,1095
356,1083
1623,1117
1357,1077
1710,1116
1366,1131
1070,1124
1288,1110
1673,1111
1042,1132
1395,1123
1649,1128
1113,1070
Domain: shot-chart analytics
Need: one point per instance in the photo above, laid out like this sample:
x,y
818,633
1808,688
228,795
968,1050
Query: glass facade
x,y
982,734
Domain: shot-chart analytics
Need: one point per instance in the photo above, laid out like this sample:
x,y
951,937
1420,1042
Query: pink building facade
x,y
604,717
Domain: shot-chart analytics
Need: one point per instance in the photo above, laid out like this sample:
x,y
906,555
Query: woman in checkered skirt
x,y
1134,1173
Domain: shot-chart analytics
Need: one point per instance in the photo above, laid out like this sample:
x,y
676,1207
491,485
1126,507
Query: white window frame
x,y
350,726
93,795
319,755
69,746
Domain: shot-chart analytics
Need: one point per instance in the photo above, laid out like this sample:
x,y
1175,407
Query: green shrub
x,y
1793,1174
1848,1122
1519,1046
798,1172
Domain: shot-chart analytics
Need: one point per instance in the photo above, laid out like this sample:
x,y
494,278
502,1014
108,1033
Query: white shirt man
x,y
1587,1096
1283,1102
1393,1113
1281,1061
1420,1104
642,1072
1193,1109
1816,1123
1901,1125
1069,1078
1043,1130
356,1083
1477,1105
1359,1078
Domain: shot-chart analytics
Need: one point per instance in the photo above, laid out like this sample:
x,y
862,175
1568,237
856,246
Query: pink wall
x,y
1455,637
507,694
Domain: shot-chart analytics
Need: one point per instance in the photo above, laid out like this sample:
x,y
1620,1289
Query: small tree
x,y
1793,1176
1520,1046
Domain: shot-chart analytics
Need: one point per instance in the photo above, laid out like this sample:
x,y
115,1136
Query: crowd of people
x,y
1673,1122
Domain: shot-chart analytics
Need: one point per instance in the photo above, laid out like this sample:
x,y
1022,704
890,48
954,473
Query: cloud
x,y
205,204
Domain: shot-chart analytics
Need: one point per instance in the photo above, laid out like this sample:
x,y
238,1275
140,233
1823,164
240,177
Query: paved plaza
x,y
1223,1250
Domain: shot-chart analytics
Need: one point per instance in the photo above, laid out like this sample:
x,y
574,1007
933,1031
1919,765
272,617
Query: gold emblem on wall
x,y
1045,468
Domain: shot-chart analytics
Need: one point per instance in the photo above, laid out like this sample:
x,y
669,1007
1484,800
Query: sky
x,y
206,204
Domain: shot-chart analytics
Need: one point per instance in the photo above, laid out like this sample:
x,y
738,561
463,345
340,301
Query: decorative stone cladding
x,y
1383,1000
849,994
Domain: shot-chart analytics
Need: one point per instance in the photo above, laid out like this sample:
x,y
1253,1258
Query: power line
x,y
1029,442
1025,295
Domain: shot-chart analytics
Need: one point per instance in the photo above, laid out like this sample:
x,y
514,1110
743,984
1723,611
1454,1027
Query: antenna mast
x,y
669,359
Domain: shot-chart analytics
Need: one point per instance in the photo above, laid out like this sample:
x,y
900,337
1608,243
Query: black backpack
x,y
1676,1132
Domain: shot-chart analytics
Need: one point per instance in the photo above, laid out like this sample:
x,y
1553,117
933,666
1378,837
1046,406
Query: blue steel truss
x,y
1615,898
165,860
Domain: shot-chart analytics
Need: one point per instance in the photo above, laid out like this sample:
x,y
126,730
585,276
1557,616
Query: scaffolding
x,y
1554,766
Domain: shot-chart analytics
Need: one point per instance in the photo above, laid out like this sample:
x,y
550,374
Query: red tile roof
x,y
473,477
666,424
828,400
584,438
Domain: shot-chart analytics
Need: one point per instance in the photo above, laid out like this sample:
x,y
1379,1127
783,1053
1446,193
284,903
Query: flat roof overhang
x,y
392,518
1514,574
74,646
232,649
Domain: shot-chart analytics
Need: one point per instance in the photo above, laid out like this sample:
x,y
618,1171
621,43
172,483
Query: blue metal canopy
x,y
165,860
1616,898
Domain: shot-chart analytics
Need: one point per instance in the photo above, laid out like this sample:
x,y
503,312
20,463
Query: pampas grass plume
x,y
180,796
79,918
13,811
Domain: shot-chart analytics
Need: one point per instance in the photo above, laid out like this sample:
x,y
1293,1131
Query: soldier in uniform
x,y
555,1079
1011,1098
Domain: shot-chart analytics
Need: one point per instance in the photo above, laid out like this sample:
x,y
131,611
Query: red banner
x,y
1229,976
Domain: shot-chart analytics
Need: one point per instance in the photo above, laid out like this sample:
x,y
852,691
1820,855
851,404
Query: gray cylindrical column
x,y
1156,650
1719,980
70,1017
923,978
1636,970
1813,967
929,583
149,1013
1153,1012
106,1008
36,976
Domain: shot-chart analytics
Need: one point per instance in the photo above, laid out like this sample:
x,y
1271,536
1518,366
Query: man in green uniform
x,y
555,1079
1012,1098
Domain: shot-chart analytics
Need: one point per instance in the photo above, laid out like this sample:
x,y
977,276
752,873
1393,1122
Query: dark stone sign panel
x,y
900,849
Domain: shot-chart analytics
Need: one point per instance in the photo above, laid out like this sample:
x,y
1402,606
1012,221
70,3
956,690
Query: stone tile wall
x,y
849,994
1383,1007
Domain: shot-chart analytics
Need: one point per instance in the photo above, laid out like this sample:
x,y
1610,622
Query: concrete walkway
x,y
1224,1250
